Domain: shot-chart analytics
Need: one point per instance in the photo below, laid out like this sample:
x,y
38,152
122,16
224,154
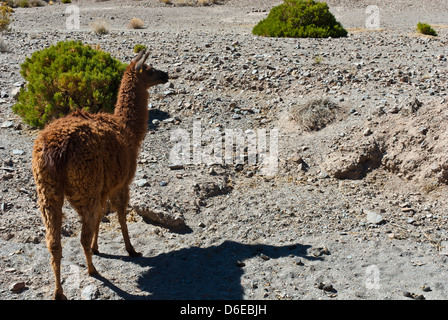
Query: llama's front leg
x,y
95,235
124,230
120,203
87,231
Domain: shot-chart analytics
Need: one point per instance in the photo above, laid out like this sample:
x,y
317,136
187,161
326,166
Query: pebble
x,y
90,292
373,217
17,287
17,152
426,288
325,286
15,92
367,132
175,166
414,296
264,257
240,264
142,183
7,124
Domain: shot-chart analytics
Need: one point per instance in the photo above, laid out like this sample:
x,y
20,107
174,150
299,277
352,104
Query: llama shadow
x,y
156,114
212,273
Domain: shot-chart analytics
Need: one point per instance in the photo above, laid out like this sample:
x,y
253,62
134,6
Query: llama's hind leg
x,y
53,224
50,202
119,203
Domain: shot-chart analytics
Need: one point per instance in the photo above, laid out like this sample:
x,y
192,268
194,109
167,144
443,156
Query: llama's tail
x,y
55,157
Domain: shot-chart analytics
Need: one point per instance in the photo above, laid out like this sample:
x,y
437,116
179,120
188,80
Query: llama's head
x,y
146,74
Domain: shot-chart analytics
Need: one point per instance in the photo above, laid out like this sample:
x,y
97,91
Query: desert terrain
x,y
355,210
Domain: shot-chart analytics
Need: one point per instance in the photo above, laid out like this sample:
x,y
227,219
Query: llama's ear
x,y
139,56
139,65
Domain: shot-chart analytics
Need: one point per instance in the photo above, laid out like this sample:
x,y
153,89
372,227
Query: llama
x,y
91,159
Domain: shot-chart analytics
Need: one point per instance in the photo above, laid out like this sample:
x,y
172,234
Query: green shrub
x,y
426,29
66,1
139,47
24,4
65,77
5,17
300,19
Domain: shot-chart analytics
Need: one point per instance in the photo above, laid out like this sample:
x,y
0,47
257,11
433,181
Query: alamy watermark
x,y
373,277
231,146
73,20
373,20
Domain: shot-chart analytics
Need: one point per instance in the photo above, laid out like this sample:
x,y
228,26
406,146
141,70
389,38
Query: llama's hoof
x,y
133,253
96,252
59,296
92,271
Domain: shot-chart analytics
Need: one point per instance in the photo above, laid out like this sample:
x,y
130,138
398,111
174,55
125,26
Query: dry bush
x,y
136,23
192,3
316,114
100,27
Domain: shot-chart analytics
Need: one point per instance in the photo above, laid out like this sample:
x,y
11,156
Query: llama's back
x,y
83,154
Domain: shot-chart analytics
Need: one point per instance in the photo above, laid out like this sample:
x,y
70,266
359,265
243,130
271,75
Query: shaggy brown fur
x,y
90,159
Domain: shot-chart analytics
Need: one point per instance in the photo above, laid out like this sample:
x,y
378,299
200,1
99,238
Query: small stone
x,y
142,183
367,132
90,292
168,85
201,225
325,286
169,120
17,152
17,287
163,183
317,252
176,166
298,262
426,288
15,92
264,257
240,264
394,109
7,124
373,217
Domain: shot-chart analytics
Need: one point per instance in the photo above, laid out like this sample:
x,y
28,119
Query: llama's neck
x,y
132,108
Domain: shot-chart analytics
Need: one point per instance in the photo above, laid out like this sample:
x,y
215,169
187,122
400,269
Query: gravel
x,y
355,210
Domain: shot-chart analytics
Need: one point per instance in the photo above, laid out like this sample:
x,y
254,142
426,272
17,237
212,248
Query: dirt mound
x,y
410,142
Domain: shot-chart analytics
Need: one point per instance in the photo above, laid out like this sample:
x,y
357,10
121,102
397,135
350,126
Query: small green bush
x,y
66,1
65,77
5,17
24,4
300,19
139,47
426,29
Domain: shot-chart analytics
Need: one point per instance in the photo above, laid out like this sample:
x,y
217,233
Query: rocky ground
x,y
356,209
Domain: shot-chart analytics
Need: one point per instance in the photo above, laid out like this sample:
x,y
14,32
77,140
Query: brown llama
x,y
90,159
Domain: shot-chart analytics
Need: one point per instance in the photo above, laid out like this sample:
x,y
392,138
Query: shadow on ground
x,y
200,273
156,114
